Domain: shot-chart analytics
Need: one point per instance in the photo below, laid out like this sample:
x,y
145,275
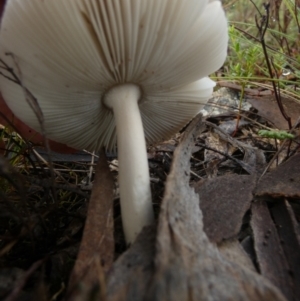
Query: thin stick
x,y
262,28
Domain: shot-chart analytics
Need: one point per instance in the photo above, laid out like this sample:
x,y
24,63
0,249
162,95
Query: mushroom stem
x,y
134,179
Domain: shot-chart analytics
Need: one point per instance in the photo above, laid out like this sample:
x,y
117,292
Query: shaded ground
x,y
249,197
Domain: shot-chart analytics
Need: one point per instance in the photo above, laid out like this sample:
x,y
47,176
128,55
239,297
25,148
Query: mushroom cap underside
x,y
69,53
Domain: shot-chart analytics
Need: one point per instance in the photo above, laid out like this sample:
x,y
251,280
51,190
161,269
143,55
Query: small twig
x,y
31,100
262,27
256,7
10,70
194,174
91,153
90,175
239,109
229,139
46,163
279,151
251,37
34,104
48,184
279,97
17,289
239,162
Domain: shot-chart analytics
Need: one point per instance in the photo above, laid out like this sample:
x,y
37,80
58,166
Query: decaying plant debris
x,y
180,258
239,241
249,240
185,266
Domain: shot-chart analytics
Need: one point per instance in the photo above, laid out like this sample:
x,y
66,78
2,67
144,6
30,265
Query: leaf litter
x,y
192,253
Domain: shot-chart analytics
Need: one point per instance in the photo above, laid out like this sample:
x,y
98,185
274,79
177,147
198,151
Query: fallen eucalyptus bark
x,y
185,265
270,256
131,274
281,182
95,256
223,214
233,251
289,234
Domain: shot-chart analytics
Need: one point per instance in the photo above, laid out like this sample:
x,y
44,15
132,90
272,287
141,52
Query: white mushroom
x,y
103,69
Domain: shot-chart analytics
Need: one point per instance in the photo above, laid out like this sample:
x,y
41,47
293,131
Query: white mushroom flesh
x,y
71,53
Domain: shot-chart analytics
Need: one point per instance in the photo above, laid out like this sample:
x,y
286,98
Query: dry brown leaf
x,y
132,272
232,250
254,158
289,233
230,126
284,181
187,265
96,251
268,108
269,253
213,141
224,201
212,157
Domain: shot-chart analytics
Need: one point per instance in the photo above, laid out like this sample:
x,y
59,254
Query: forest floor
x,y
240,237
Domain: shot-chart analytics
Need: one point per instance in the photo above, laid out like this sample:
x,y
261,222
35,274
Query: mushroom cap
x,y
69,53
